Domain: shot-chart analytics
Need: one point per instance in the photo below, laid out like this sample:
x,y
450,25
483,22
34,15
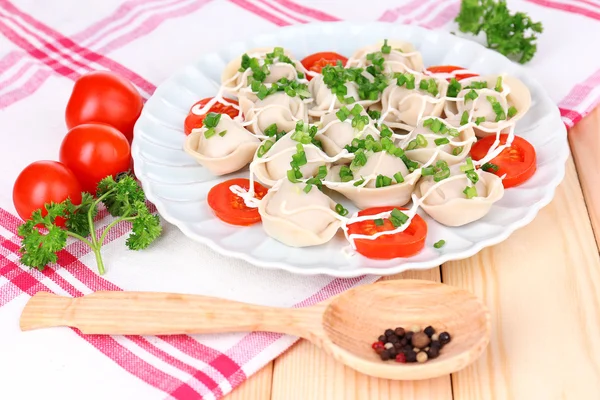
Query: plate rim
x,y
532,212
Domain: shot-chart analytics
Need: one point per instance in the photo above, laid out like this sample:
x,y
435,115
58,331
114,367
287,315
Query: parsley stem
x,y
76,236
109,226
99,261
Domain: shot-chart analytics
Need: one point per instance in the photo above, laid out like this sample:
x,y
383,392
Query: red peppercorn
x,y
401,358
378,347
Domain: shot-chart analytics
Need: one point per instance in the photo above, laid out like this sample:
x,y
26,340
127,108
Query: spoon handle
x,y
150,313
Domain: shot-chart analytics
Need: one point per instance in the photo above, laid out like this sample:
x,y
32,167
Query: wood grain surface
x,y
542,286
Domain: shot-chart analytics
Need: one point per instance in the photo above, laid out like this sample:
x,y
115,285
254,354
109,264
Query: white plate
x,y
178,186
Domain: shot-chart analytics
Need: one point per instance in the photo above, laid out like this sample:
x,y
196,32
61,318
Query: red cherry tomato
x,y
104,97
518,161
402,244
44,182
448,69
315,62
93,152
194,121
229,207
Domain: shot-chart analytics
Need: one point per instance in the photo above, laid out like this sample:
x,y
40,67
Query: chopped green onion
x,y
405,79
271,130
498,87
428,171
421,141
512,111
262,92
374,114
245,63
322,172
441,141
457,150
478,85
210,132
307,188
356,110
343,113
442,171
223,133
300,75
398,218
385,132
299,159
292,175
479,120
360,182
378,222
410,164
439,244
398,177
472,95
430,86
469,166
346,174
360,159
212,120
453,132
464,119
497,107
382,181
341,210
473,177
470,192
489,167
386,49
435,125
255,85
266,146
453,88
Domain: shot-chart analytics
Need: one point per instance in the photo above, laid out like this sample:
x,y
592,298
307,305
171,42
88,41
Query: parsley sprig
x,y
513,35
123,199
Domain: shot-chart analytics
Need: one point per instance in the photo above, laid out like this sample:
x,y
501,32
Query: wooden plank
x,y
542,286
305,372
257,387
585,145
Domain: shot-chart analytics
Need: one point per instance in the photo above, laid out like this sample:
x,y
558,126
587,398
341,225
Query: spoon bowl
x,y
344,326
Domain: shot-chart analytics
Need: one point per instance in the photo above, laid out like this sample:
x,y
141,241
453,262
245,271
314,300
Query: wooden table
x,y
542,286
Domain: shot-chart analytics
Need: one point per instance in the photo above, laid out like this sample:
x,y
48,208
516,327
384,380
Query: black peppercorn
x,y
389,332
398,347
393,353
433,352
403,342
429,330
399,332
435,343
444,338
385,355
393,339
411,356
406,348
382,339
408,336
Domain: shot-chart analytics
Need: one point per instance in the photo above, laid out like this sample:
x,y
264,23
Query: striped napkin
x,y
45,46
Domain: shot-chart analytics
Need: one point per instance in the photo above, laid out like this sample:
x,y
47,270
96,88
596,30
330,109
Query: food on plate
x,y
391,55
435,137
387,233
416,345
516,162
299,215
104,97
44,182
378,128
222,145
464,195
278,108
230,207
492,103
93,152
315,62
196,115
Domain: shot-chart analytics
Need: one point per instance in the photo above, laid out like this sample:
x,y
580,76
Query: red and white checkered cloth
x,y
46,45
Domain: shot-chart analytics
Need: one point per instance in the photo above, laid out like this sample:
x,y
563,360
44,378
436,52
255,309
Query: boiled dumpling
x,y
491,110
235,80
275,163
228,147
324,101
447,202
296,218
401,55
454,144
418,96
335,134
381,169
277,108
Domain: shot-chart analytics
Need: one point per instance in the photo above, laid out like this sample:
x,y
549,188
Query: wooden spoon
x,y
344,326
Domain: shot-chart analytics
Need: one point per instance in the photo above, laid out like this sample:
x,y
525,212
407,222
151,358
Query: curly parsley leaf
x,y
513,35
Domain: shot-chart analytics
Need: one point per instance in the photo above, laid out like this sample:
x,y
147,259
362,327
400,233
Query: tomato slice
x,y
402,244
229,207
315,62
194,121
518,161
449,69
